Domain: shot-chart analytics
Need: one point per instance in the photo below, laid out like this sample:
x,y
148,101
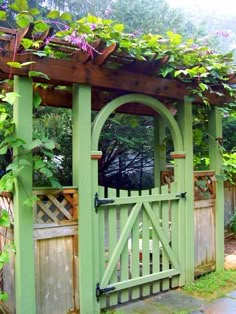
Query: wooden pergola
x,y
127,85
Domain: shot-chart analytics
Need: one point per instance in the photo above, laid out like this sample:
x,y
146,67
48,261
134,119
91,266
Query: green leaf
x,y
3,150
4,219
203,86
3,15
13,64
22,5
4,257
14,7
31,201
36,100
175,39
14,166
38,74
48,153
26,43
39,53
34,11
178,72
55,183
54,14
3,297
166,70
47,172
118,27
24,19
41,26
3,115
11,97
27,63
33,144
38,164
7,182
49,144
66,16
24,162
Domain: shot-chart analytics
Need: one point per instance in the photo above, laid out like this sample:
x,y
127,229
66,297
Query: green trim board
x,y
82,178
215,131
23,214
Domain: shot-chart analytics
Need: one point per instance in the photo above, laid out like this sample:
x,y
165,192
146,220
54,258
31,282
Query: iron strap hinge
x,y
100,291
98,202
182,195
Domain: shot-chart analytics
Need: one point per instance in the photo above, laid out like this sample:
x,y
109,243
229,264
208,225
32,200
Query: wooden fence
x,y
56,251
204,221
204,218
230,201
56,241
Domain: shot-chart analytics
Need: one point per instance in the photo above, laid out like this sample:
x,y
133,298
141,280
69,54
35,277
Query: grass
x,y
213,286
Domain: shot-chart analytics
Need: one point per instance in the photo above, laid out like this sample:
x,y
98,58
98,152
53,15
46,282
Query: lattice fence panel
x,y
6,203
204,185
56,206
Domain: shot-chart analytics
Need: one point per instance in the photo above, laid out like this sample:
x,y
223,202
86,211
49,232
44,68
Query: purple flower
x,y
107,11
224,34
93,26
80,42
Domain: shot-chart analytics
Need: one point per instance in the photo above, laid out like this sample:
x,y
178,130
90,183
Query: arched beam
x,y
137,98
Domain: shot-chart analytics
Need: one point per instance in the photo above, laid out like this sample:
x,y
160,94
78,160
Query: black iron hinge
x,y
98,202
100,291
182,195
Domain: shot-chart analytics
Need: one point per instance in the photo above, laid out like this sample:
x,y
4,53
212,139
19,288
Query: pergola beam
x,y
67,72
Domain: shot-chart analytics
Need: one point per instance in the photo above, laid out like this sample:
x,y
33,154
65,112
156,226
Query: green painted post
x,y
82,177
23,215
185,123
159,150
215,131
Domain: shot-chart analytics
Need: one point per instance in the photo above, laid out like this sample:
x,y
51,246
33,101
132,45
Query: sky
x,y
227,7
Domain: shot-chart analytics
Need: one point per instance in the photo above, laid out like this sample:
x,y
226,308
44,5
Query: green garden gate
x,y
139,239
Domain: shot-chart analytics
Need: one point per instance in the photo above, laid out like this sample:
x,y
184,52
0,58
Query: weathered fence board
x,y
55,272
204,222
56,251
230,201
204,240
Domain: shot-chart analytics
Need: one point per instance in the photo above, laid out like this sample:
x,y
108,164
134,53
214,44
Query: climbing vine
x,y
187,61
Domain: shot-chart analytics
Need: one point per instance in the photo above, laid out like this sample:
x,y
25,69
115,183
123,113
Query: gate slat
x,y
163,238
174,231
124,258
145,247
119,246
145,279
103,245
165,227
112,218
156,244
134,247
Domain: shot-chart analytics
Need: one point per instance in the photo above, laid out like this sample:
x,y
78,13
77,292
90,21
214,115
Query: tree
x,y
127,146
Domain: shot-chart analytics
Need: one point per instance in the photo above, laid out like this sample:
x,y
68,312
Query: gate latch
x,y
182,195
100,291
98,202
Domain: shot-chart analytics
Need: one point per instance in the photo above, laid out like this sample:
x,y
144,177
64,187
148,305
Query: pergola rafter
x,y
107,70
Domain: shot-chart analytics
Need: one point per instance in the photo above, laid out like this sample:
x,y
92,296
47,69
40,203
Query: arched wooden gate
x,y
138,235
